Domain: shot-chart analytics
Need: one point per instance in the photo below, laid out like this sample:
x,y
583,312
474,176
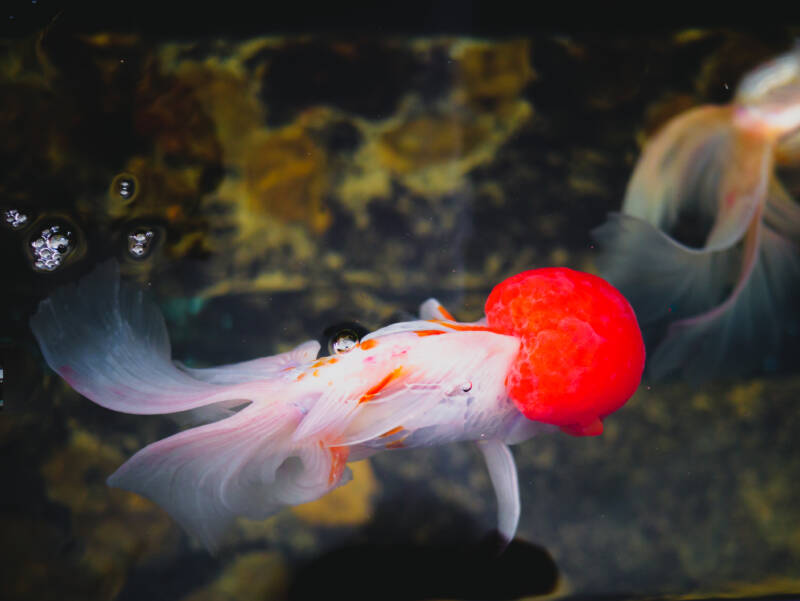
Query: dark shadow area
x,y
425,553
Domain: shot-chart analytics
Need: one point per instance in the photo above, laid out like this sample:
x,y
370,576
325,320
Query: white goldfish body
x,y
284,427
727,300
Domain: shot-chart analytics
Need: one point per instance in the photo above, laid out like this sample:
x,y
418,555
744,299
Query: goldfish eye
x,y
343,337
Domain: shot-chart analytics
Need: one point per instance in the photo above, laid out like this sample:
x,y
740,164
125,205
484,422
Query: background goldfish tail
x,y
681,168
660,277
246,465
745,333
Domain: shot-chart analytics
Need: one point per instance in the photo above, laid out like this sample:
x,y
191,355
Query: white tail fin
x,y
109,342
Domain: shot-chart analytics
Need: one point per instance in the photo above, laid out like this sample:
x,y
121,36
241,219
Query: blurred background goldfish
x,y
705,245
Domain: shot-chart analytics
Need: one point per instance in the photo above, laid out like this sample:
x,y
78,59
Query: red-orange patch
x,y
368,344
373,392
428,332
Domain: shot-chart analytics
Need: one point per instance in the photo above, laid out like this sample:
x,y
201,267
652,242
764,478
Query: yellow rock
x,y
250,577
286,177
350,504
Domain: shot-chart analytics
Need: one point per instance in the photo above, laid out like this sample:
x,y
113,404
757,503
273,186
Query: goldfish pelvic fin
x,y
659,276
503,474
244,465
110,343
749,328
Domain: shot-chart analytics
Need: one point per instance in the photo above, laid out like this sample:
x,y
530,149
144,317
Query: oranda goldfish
x,y
729,301
557,348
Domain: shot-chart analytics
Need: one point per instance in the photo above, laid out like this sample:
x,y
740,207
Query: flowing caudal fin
x,y
659,276
745,332
245,465
109,342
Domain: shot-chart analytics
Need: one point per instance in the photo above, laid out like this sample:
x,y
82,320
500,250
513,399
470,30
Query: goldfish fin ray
x,y
659,276
503,474
241,466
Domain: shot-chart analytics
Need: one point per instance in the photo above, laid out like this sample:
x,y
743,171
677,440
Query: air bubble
x,y
466,386
50,248
140,242
344,341
15,219
125,186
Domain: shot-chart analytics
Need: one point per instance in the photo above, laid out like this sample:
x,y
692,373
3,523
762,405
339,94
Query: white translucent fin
x,y
241,466
745,331
503,474
659,276
109,342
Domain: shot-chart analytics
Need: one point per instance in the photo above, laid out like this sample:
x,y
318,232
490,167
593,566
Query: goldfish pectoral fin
x,y
503,474
109,342
747,331
433,309
256,369
659,276
242,466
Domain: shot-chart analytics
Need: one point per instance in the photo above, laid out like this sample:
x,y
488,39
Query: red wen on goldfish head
x,y
582,353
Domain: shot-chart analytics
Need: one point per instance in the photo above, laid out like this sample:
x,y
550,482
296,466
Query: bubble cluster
x,y
15,219
139,242
50,248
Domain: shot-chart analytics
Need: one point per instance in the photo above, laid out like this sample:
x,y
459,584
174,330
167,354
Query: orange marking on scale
x,y
368,344
428,332
372,392
301,375
390,432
